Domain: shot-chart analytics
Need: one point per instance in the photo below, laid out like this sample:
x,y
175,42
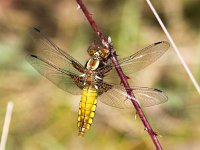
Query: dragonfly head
x,y
103,52
96,56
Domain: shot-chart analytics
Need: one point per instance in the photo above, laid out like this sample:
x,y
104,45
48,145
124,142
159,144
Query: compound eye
x,y
102,55
91,51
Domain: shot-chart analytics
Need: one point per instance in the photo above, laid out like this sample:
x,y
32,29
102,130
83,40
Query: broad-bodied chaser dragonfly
x,y
97,80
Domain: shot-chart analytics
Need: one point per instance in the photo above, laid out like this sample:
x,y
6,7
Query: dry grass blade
x,y
6,125
175,47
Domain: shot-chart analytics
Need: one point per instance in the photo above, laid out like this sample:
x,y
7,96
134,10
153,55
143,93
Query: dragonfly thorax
x,y
93,62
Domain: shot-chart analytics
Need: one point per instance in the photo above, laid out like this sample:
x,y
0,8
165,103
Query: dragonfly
x,y
97,80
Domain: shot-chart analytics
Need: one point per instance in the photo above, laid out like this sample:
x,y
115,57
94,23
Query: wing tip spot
x,y
36,29
158,90
158,42
164,42
33,56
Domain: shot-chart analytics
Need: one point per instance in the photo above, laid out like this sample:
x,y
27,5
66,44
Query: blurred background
x,y
45,117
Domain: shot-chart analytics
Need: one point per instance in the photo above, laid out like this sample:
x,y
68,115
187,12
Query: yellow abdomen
x,y
87,109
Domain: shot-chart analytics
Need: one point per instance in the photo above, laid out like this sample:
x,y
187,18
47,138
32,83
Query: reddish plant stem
x,y
123,78
139,111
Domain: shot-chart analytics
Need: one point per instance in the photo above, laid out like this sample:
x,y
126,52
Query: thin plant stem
x,y
123,78
196,85
6,125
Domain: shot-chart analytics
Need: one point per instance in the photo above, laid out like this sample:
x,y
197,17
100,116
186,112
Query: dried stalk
x,y
6,125
196,85
108,44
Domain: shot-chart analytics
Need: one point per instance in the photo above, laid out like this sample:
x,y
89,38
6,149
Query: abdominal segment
x,y
87,109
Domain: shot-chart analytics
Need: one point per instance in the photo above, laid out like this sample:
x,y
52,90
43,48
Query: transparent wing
x,y
63,79
117,97
144,57
139,60
47,50
55,64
